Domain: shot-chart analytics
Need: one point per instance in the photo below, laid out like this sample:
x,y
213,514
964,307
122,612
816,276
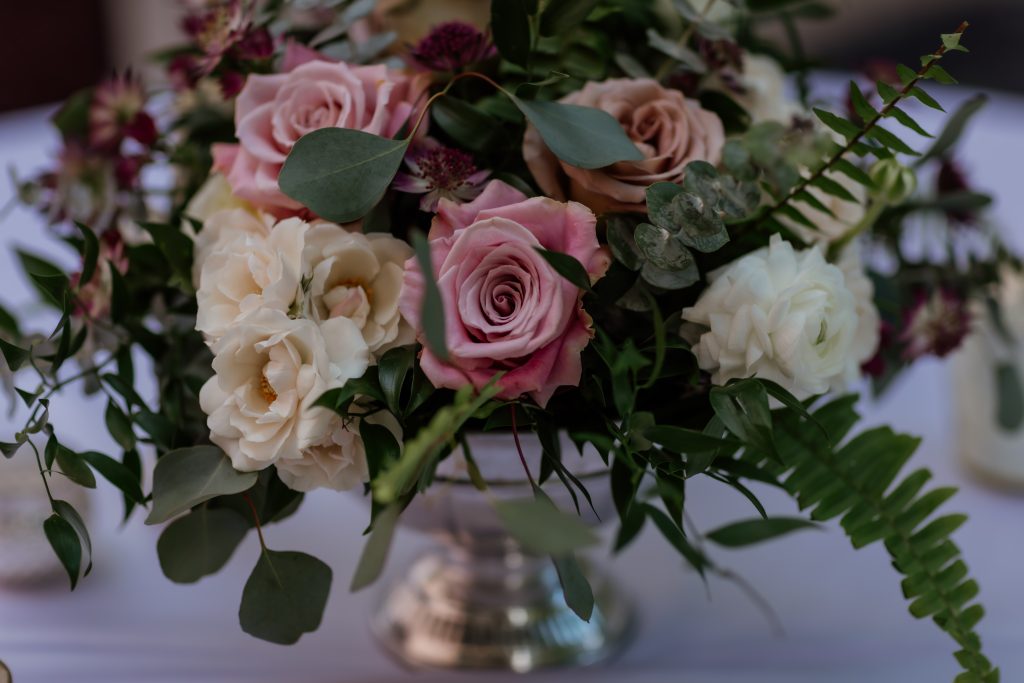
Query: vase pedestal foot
x,y
495,609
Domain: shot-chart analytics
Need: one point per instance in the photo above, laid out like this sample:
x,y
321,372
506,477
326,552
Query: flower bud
x,y
894,182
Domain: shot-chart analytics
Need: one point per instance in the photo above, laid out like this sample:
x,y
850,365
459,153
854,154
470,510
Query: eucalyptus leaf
x,y
189,476
584,137
662,248
341,173
284,597
669,279
200,543
619,231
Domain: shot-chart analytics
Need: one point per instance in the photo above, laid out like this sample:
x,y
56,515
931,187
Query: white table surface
x,y
843,614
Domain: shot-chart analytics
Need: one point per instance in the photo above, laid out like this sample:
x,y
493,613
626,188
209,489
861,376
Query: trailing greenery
x,y
858,481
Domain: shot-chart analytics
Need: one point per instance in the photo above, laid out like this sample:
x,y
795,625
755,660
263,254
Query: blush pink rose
x,y
273,111
669,129
506,309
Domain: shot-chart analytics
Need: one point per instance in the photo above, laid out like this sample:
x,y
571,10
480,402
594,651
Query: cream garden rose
x,y
269,371
358,277
782,315
248,271
222,227
336,461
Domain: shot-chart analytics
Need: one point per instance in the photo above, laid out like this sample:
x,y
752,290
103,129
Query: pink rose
x,y
272,112
669,129
506,309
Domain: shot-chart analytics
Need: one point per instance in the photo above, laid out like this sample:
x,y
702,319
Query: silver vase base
x,y
497,611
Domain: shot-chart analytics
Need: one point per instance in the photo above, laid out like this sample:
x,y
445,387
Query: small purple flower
x,y
952,180
117,112
936,324
452,46
439,172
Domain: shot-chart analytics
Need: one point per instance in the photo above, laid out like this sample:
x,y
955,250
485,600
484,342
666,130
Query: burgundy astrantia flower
x,y
117,112
452,46
952,180
936,324
227,30
439,172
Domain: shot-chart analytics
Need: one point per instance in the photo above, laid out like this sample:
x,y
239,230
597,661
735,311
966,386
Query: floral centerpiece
x,y
594,218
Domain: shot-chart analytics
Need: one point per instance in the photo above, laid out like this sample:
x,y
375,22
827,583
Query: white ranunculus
x,y
358,277
338,460
765,95
269,370
248,272
221,227
869,322
779,314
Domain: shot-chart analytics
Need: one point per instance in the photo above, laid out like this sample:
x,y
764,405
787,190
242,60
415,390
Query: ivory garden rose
x,y
506,308
269,371
669,129
273,111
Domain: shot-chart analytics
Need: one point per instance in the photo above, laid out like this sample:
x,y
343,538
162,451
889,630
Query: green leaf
x,y
284,597
853,172
937,73
860,103
905,118
117,474
542,528
619,230
682,440
176,247
189,476
9,449
568,267
118,295
49,280
341,173
375,552
561,16
833,188
579,596
1010,397
510,25
68,512
584,137
925,99
464,123
756,530
955,125
674,535
670,279
72,464
200,543
65,544
120,426
889,93
837,123
382,448
392,371
90,252
890,140
432,314
14,355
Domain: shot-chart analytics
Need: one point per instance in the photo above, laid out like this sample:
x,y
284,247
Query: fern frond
x,y
858,481
867,136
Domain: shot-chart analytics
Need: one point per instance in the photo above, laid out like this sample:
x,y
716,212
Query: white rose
x,y
765,95
358,277
269,370
221,227
338,460
247,271
780,314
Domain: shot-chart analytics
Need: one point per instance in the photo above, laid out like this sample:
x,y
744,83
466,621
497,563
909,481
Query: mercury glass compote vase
x,y
477,599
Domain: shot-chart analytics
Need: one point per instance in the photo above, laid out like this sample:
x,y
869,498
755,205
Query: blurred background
x,y
97,35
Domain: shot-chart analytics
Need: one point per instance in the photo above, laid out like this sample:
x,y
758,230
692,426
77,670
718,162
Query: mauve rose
x,y
670,131
273,111
506,309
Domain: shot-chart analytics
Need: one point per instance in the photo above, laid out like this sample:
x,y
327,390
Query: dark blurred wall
x,y
48,49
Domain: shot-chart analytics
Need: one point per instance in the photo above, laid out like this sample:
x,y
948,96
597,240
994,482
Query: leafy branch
x,y
884,144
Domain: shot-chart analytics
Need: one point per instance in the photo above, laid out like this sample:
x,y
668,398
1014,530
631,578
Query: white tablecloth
x,y
843,614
